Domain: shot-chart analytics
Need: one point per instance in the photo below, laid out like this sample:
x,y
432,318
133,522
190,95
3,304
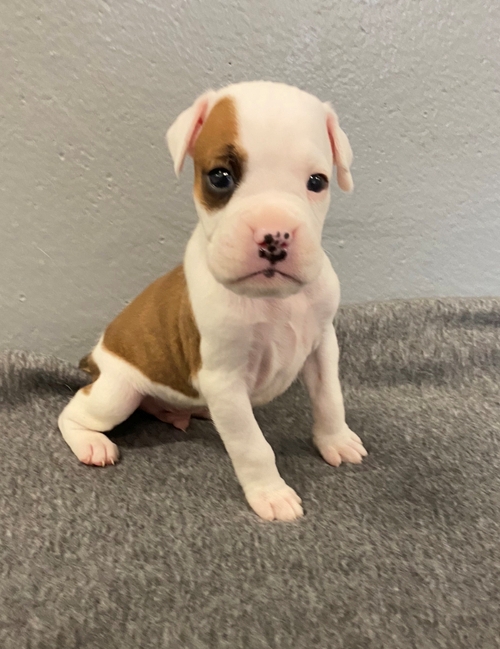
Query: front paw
x,y
345,446
280,504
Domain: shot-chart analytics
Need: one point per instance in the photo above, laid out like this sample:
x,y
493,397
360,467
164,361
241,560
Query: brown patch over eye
x,y
218,152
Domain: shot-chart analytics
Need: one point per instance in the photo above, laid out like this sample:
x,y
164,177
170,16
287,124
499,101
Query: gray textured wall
x,y
90,211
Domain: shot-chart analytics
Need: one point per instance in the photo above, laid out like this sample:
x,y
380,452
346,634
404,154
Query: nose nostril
x,y
267,236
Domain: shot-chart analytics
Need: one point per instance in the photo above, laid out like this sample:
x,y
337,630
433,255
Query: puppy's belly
x,y
274,364
272,385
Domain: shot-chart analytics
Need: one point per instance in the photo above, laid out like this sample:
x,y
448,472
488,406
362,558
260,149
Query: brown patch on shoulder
x,y
87,364
157,334
217,146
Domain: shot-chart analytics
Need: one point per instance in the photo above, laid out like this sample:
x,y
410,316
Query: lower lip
x,y
268,273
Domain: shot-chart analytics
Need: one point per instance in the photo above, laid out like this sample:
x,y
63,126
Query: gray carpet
x,y
161,551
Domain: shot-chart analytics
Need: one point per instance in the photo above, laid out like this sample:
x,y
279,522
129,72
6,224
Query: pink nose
x,y
270,233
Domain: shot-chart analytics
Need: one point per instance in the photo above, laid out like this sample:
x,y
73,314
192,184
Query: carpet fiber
x,y
162,552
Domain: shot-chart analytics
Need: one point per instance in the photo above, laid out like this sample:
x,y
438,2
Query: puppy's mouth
x,y
269,273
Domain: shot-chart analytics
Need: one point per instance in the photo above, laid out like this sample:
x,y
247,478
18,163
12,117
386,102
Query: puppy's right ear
x,y
182,135
341,149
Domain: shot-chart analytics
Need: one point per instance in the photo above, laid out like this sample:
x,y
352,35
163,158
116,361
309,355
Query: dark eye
x,y
221,180
317,183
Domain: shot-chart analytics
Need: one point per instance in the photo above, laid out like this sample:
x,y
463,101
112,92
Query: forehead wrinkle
x,y
225,153
284,125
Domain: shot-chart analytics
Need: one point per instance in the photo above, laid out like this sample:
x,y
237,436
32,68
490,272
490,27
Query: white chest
x,y
278,349
262,342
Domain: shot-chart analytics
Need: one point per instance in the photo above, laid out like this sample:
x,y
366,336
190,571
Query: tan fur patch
x,y
217,146
157,334
87,364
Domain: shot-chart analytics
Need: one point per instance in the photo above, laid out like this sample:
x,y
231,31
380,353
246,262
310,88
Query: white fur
x,y
252,348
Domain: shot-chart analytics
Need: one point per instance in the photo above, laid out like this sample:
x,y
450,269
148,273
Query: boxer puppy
x,y
252,305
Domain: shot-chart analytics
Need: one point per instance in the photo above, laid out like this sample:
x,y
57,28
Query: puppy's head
x,y
263,155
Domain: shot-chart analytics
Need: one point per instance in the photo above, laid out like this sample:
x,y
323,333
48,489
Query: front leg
x,y
334,439
252,456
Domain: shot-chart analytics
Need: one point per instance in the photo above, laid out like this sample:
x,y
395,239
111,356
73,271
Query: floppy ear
x,y
182,135
341,149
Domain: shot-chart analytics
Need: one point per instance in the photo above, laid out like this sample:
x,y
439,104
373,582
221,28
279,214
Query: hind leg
x,y
93,410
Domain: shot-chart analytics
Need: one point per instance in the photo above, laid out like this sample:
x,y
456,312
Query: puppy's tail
x,y
87,364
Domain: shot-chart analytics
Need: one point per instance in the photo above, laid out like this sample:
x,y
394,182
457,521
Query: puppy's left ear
x,y
341,149
182,135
